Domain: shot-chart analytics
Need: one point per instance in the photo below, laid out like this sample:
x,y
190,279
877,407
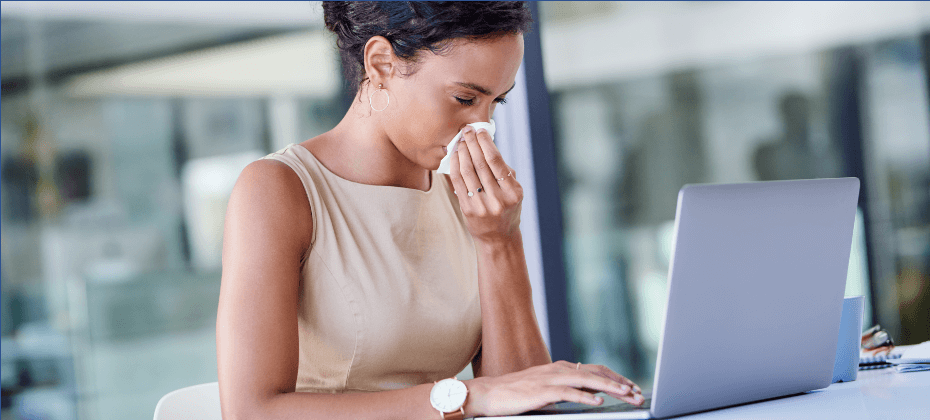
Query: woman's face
x,y
447,92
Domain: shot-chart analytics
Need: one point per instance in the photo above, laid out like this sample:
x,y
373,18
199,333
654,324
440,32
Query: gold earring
x,y
380,89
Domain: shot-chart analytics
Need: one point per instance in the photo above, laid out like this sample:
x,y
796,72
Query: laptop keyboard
x,y
574,408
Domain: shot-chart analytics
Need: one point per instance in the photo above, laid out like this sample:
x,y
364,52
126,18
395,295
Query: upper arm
x,y
267,231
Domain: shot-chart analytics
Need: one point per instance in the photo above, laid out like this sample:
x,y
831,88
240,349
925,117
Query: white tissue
x,y
454,144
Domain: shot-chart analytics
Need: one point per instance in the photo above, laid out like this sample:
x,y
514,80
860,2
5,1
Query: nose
x,y
483,115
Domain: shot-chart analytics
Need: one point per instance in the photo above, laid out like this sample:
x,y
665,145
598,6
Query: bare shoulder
x,y
269,202
269,172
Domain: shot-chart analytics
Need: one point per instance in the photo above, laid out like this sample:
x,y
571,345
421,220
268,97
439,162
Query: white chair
x,y
198,402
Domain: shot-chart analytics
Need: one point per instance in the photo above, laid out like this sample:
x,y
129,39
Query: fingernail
x,y
623,389
468,129
596,400
481,130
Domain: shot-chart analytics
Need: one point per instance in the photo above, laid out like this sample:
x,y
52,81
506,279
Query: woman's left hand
x,y
488,191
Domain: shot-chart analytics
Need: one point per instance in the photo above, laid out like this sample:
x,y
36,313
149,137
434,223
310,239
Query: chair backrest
x,y
198,402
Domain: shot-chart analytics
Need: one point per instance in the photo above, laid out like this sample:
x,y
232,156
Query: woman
x,y
355,276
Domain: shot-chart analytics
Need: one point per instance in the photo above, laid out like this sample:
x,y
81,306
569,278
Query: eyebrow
x,y
482,89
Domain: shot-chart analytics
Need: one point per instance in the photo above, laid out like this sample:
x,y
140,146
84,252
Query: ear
x,y
380,61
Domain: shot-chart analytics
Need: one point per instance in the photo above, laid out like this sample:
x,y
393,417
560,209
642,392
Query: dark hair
x,y
414,26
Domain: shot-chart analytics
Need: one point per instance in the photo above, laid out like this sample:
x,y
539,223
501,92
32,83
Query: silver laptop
x,y
755,295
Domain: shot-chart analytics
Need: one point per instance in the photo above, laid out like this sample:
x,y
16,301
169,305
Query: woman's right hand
x,y
538,386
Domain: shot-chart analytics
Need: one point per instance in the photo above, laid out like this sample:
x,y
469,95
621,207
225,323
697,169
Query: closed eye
x,y
470,102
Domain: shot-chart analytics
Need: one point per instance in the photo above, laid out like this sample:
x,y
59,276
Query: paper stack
x,y
913,359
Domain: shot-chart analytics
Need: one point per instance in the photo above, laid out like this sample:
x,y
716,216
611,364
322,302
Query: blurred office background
x,y
647,97
125,125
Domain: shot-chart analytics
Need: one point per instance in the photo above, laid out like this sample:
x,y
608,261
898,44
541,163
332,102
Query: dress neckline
x,y
432,175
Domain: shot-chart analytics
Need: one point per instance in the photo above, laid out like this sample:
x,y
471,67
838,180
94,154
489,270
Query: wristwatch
x,y
448,396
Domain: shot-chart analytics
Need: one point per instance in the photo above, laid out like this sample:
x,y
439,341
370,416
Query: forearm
x,y
511,340
410,403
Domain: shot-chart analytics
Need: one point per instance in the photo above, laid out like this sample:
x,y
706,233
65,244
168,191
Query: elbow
x,y
257,407
239,412
244,409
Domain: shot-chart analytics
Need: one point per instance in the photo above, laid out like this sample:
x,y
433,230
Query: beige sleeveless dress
x,y
389,286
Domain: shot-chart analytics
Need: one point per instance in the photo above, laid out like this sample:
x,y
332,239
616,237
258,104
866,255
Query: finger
x,y
458,184
610,374
509,179
480,163
629,392
492,155
630,398
636,399
472,181
605,372
567,393
584,379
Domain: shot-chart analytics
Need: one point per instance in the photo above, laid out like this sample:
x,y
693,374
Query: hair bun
x,y
413,26
335,16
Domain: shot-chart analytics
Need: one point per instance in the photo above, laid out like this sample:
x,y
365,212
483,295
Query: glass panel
x,y
627,142
898,158
114,195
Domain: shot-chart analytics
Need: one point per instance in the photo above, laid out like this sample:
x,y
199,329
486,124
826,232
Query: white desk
x,y
875,394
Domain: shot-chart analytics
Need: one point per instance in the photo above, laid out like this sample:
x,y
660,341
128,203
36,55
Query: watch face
x,y
448,395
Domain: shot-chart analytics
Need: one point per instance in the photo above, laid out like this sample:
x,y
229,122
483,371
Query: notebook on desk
x,y
762,265
869,362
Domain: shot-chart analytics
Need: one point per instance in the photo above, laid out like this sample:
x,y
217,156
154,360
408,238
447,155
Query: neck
x,y
367,155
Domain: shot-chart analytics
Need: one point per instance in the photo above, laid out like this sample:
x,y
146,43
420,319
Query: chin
x,y
428,163
433,162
